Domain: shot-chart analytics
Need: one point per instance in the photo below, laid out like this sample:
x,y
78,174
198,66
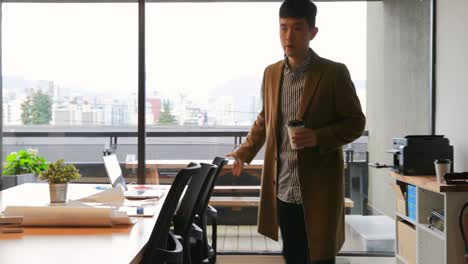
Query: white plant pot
x,y
58,192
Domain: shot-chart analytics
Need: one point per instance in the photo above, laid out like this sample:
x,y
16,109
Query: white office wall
x,y
452,77
398,94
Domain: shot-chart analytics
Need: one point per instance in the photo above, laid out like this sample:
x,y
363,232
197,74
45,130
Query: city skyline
x,y
222,108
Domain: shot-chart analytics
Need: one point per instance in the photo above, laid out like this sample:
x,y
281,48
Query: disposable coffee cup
x,y
293,127
442,166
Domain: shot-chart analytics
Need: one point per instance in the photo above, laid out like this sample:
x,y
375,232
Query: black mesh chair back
x,y
205,251
206,195
184,218
463,222
185,214
220,161
157,249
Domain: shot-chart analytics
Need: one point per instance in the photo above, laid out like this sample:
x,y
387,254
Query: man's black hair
x,y
299,9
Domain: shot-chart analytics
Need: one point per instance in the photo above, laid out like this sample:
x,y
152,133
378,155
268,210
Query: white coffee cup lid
x,y
442,161
294,123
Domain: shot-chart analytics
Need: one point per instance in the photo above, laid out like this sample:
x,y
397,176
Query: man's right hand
x,y
238,165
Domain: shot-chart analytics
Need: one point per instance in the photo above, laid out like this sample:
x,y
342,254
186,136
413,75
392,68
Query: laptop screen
x,y
113,171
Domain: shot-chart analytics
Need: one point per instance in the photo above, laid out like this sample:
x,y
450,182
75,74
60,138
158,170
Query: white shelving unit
x,y
432,245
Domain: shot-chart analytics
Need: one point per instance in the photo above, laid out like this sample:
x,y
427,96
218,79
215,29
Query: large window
x,y
205,64
86,65
69,68
206,60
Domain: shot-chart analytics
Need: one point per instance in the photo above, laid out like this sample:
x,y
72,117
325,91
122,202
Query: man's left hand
x,y
305,137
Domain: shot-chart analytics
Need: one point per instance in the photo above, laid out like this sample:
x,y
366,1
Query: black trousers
x,y
293,232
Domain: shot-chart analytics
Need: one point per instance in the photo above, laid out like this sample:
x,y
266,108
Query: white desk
x,y
83,245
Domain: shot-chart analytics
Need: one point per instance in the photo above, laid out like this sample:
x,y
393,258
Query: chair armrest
x,y
196,232
175,255
211,212
179,238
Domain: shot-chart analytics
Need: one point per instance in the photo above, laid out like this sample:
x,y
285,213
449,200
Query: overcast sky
x,y
190,47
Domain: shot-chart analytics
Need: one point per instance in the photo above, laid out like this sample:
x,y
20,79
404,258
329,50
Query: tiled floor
x,y
231,259
245,238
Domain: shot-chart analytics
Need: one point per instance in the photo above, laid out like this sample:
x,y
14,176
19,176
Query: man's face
x,y
295,35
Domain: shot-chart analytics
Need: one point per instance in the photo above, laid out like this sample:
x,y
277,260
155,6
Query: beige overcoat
x,y
331,107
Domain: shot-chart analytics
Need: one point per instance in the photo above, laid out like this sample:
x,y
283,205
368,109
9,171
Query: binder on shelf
x,y
437,219
411,201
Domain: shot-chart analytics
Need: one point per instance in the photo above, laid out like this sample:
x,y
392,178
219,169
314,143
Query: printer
x,y
415,154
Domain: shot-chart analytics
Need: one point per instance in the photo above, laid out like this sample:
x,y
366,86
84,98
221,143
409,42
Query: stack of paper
x,y
112,196
115,198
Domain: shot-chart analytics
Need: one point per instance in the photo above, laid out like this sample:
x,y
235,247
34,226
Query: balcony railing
x,y
114,133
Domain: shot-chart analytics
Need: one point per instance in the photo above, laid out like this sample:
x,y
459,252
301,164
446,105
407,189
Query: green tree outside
x,y
166,117
37,109
26,108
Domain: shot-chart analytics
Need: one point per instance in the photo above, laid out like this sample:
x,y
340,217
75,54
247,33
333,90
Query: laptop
x,y
114,172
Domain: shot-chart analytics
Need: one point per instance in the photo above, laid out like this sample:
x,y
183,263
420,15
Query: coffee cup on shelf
x,y
442,166
293,127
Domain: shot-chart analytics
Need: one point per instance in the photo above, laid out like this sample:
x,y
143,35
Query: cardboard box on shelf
x,y
406,236
400,200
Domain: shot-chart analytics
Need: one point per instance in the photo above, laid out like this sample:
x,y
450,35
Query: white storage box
x,y
370,233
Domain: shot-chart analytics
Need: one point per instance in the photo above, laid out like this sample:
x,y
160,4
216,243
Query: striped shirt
x,y
292,88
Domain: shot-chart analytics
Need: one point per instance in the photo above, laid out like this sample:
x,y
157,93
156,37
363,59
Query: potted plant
x,y
22,167
58,174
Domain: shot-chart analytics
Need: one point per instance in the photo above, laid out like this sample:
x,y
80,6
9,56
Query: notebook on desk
x,y
114,172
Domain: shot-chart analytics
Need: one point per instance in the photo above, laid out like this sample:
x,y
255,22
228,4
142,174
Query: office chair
x,y
163,246
183,221
463,222
207,252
